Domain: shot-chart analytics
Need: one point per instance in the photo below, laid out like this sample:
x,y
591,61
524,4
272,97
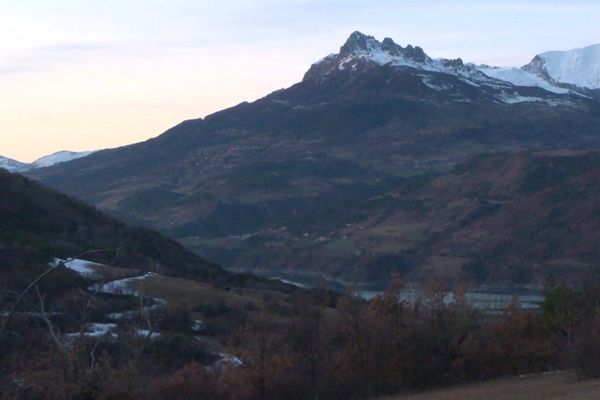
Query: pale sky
x,y
91,74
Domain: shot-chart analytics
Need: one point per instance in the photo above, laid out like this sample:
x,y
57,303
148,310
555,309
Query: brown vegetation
x,y
313,349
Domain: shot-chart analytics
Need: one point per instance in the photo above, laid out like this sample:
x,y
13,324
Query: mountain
x,y
263,186
521,77
12,165
498,219
58,157
42,162
579,67
575,71
362,52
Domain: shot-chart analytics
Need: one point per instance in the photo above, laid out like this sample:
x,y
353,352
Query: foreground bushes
x,y
356,349
363,350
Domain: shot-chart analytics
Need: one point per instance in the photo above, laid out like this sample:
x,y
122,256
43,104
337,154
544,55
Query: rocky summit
x,y
336,176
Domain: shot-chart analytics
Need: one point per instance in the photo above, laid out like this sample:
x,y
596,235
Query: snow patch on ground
x,y
83,267
131,314
97,329
228,359
437,87
147,333
283,280
198,326
515,98
121,286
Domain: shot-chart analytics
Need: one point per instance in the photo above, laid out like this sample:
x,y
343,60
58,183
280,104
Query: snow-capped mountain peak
x,y
58,157
12,165
557,73
359,44
46,161
578,67
361,52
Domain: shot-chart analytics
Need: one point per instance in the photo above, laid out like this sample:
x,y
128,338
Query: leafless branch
x,y
51,329
88,305
147,317
43,275
20,299
93,354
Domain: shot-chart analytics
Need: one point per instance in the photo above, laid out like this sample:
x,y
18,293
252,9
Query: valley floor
x,y
552,386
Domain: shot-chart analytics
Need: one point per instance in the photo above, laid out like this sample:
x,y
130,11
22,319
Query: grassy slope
x,y
561,386
218,307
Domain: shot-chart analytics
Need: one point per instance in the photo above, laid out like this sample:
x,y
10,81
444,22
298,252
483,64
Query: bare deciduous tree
x,y
33,284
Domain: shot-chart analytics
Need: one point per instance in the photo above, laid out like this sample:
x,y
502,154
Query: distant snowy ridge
x,y
555,71
58,157
578,67
361,53
360,49
566,72
12,165
520,77
43,162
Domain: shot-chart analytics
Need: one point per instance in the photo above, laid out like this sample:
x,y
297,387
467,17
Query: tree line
x,y
322,347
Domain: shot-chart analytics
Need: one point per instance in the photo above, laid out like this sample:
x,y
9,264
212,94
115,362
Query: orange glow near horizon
x,y
86,75
94,106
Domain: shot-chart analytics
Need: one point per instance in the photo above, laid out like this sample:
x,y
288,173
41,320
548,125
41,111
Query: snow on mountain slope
x,y
579,67
46,161
571,71
566,72
58,157
520,77
361,53
361,49
12,165
8,164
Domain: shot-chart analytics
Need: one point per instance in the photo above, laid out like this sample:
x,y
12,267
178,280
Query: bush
x,y
586,350
177,319
193,381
